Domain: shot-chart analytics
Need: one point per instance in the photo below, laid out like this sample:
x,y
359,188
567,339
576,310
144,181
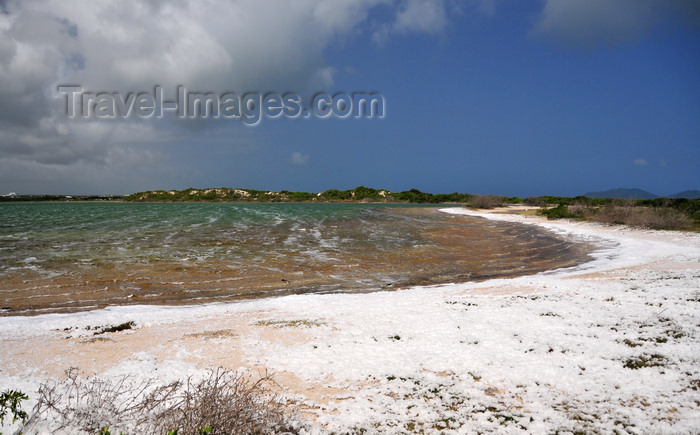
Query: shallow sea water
x,y
57,257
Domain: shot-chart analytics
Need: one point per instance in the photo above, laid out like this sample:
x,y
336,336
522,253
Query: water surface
x,y
70,256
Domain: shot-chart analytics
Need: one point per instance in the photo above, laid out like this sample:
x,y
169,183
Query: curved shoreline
x,y
382,248
549,351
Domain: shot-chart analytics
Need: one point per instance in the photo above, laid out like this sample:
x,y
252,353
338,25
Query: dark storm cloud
x,y
594,23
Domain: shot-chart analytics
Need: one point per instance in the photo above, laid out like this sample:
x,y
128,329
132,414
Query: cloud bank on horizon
x,y
218,46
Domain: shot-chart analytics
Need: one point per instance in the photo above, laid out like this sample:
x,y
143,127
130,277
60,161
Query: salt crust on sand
x,y
535,354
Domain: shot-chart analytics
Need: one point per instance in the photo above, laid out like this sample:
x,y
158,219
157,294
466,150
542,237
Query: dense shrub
x,y
513,200
486,201
455,197
535,201
559,212
413,195
336,195
298,196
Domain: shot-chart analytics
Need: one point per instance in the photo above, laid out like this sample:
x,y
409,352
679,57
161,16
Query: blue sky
x,y
550,97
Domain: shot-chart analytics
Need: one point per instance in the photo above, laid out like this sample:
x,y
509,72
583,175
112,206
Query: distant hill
x,y
623,193
358,194
640,194
690,194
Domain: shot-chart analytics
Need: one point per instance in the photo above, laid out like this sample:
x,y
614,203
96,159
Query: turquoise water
x,y
63,256
52,233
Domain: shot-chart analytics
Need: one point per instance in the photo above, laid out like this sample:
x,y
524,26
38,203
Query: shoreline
x,y
409,247
533,353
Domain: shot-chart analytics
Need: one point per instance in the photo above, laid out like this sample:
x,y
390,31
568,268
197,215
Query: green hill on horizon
x,y
627,193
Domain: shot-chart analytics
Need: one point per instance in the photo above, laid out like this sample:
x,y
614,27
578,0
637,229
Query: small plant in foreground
x,y
106,431
12,400
641,361
116,328
222,401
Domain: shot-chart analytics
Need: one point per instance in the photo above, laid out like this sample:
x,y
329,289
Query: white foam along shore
x,y
612,345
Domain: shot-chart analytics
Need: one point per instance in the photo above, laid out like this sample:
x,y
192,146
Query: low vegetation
x,y
223,401
658,213
11,404
643,361
289,323
358,194
489,201
116,328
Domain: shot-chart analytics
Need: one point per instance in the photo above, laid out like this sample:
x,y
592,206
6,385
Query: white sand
x,y
531,354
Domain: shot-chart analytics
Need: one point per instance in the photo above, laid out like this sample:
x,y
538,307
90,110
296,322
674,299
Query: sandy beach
x,y
611,345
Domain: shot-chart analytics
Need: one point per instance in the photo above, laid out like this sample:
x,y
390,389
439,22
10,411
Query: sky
x,y
509,97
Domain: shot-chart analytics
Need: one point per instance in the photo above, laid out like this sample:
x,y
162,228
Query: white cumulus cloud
x,y
299,159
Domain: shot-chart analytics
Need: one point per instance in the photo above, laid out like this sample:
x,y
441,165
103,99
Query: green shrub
x,y
559,212
336,195
11,400
642,361
535,201
414,196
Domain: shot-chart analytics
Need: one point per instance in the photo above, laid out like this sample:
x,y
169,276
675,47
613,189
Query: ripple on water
x,y
87,255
